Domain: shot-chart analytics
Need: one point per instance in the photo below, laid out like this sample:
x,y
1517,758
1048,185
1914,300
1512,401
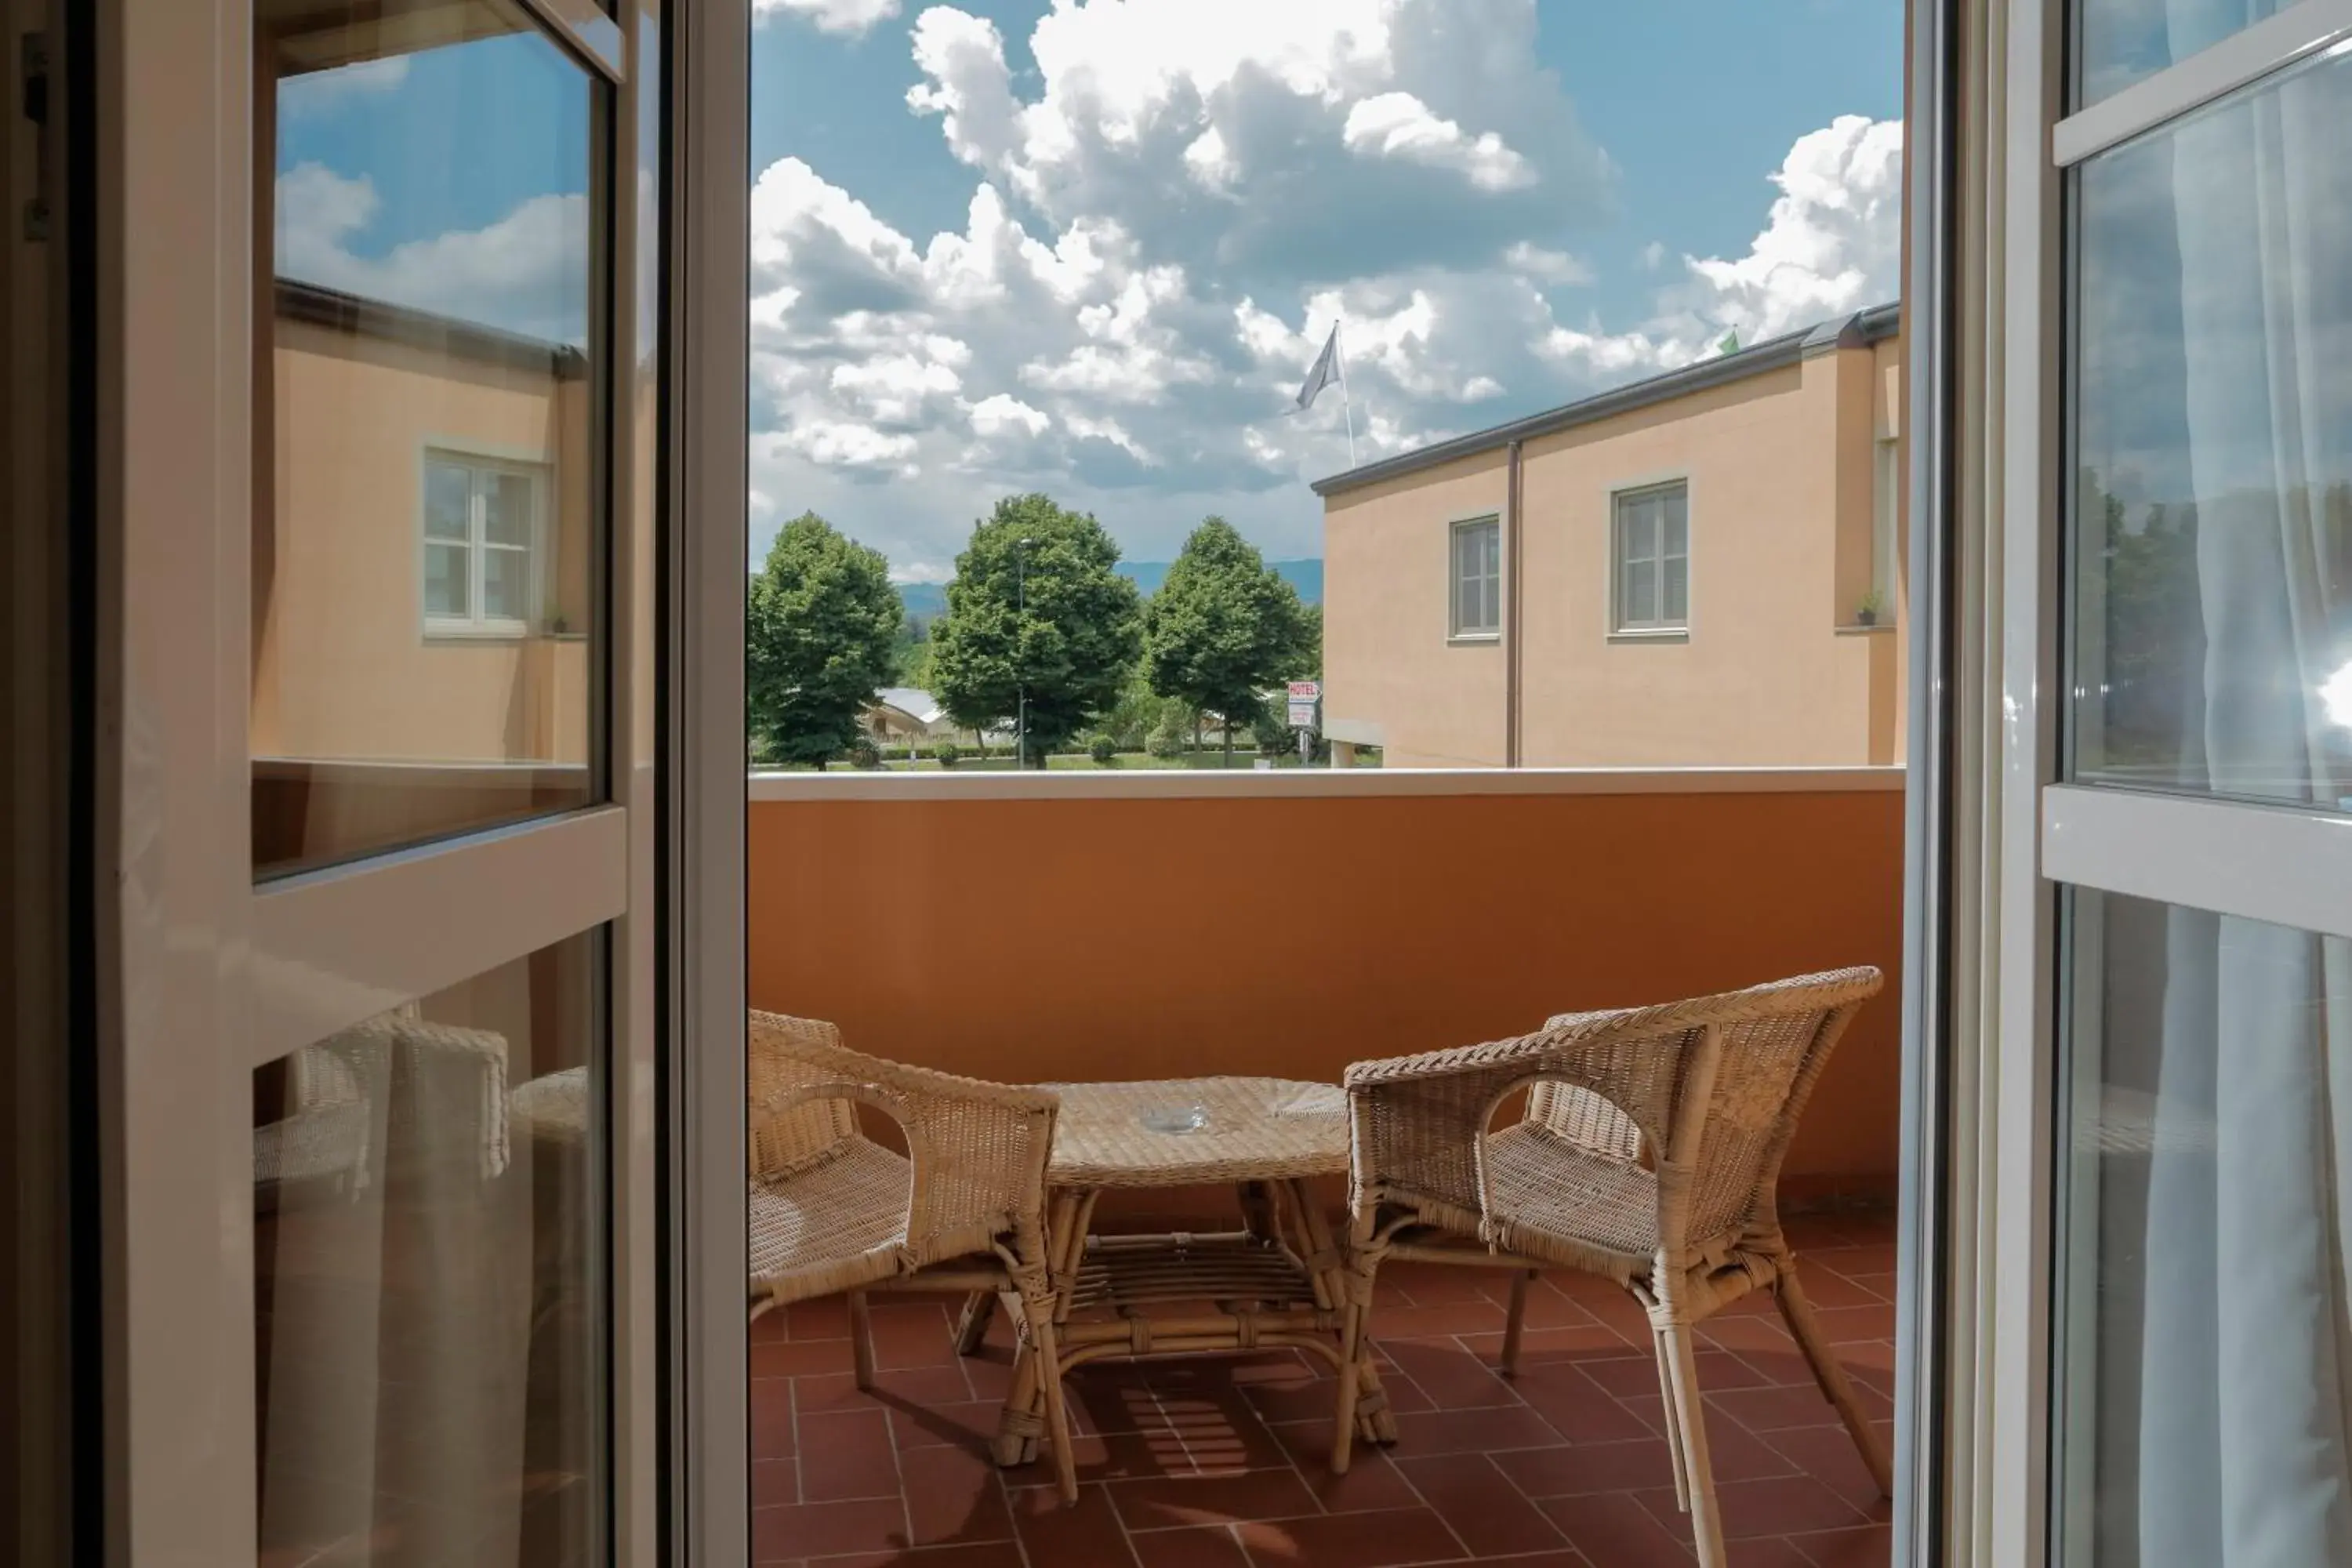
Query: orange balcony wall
x,y
1131,928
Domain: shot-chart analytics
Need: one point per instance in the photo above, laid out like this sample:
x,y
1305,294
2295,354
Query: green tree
x,y
819,631
1036,607
1223,627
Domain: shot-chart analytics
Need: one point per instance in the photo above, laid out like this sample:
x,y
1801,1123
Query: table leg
x,y
1258,1215
1328,1265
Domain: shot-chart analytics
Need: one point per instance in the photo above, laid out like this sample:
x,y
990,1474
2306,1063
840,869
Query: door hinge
x,y
33,83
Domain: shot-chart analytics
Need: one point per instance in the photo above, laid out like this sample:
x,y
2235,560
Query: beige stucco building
x,y
423,606
1700,569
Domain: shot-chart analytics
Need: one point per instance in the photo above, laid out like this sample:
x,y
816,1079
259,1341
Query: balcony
x,y
1087,928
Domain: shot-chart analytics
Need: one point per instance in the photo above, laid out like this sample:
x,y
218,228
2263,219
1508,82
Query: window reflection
x,y
2212,504
427,1296
428,627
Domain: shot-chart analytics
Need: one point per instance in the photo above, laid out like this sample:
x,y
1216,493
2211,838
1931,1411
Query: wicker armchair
x,y
964,1211
1649,1153
393,1092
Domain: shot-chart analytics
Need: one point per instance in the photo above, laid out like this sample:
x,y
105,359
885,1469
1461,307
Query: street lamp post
x,y
1019,623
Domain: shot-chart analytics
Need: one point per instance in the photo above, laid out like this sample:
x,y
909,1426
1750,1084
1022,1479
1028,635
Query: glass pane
x,y
2117,42
445,579
429,1316
506,575
2202,1394
1675,610
1677,511
1640,591
2212,513
437,210
506,503
449,498
1641,530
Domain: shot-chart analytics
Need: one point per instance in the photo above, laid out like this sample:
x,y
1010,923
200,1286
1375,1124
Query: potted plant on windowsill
x,y
1865,614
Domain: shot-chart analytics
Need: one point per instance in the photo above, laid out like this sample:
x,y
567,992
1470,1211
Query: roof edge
x,y
1860,329
299,300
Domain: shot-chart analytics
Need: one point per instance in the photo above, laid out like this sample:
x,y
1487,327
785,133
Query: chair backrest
x,y
1729,1111
784,1142
978,1149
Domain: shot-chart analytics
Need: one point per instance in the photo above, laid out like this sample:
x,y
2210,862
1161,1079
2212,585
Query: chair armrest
x,y
978,1149
1419,1123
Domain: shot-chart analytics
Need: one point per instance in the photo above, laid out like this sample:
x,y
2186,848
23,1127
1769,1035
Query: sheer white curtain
x,y
2246,1361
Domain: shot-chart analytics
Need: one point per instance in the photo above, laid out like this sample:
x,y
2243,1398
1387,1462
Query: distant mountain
x,y
929,601
924,600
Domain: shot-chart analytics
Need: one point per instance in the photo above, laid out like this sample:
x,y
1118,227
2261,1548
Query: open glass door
x,y
2187,967
394,723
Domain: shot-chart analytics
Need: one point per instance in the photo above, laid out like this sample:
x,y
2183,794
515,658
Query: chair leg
x,y
861,1339
1355,1349
972,1324
1516,1321
1798,1313
1689,1417
1674,1421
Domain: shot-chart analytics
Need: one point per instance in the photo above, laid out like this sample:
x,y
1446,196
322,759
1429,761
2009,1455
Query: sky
x,y
1091,246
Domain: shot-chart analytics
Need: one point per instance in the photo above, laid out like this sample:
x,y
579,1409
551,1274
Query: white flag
x,y
1326,370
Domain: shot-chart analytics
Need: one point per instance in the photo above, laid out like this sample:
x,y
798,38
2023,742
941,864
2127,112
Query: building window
x,y
1477,578
481,533
1651,550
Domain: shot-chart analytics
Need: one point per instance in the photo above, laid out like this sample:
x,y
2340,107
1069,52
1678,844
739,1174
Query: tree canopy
x,y
1037,604
1225,627
820,636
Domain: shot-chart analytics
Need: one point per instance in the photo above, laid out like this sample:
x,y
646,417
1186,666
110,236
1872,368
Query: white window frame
x,y
205,972
1489,523
2033,834
479,465
1657,628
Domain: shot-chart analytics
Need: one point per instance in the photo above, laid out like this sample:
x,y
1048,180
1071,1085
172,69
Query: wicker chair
x,y
1649,1153
964,1211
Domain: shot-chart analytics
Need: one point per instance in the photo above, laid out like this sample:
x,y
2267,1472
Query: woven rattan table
x,y
1280,1280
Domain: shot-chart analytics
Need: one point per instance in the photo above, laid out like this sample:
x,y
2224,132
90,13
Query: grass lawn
x,y
1243,758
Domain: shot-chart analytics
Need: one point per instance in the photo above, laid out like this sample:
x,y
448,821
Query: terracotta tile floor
x,y
1219,1463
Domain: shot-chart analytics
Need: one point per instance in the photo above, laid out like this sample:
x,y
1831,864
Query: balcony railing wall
x,y
1107,927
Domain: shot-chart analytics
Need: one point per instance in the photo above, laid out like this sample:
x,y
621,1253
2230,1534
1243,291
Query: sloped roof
x,y
913,701
1857,330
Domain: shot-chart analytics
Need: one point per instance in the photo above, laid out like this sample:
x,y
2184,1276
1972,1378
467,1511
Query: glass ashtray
x,y
1177,1119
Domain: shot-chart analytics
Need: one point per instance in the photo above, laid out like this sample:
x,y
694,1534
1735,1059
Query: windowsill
x,y
493,631
1473,639
1857,629
1652,633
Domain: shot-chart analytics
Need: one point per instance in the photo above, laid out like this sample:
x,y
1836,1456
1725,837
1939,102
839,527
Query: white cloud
x,y
1546,266
832,443
1001,414
526,272
1166,217
851,17
1399,125
319,92
1834,238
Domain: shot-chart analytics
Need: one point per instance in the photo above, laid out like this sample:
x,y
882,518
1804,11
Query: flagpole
x,y
1346,405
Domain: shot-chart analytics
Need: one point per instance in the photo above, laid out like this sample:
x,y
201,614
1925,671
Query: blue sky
x,y
1091,247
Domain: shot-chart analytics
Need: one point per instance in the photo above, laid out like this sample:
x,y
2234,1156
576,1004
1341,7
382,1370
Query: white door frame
x,y
202,972
2283,865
